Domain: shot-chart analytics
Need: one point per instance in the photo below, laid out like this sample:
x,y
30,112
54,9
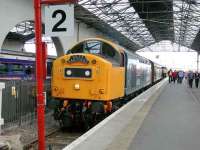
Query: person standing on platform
x,y
196,77
190,78
174,75
180,76
170,75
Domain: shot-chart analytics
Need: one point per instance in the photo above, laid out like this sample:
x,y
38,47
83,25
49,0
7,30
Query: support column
x,y
39,76
2,86
78,32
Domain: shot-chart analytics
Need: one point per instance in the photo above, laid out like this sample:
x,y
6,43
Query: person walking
x,y
174,76
180,76
190,78
196,77
170,75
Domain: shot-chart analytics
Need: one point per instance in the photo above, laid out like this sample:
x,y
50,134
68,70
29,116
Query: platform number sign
x,y
59,20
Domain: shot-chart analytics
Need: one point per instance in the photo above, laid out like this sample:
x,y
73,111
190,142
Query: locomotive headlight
x,y
77,86
69,72
87,73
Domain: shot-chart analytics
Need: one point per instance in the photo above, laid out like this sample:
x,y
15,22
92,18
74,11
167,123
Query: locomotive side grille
x,y
78,73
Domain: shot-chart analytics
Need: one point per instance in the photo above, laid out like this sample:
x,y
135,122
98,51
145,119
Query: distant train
x,y
96,77
17,67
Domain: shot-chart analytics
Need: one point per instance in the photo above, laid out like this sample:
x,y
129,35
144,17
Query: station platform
x,y
173,122
168,119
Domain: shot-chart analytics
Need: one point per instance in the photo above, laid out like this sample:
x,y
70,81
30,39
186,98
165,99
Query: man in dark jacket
x,y
190,78
196,77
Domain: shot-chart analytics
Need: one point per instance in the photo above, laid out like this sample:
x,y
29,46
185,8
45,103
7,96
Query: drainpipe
x,y
2,86
78,32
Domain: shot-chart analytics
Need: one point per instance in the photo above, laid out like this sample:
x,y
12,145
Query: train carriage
x,y
138,73
157,72
17,67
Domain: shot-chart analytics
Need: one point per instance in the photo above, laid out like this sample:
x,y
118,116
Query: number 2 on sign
x,y
56,27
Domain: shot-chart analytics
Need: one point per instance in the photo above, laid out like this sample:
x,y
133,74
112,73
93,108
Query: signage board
x,y
59,20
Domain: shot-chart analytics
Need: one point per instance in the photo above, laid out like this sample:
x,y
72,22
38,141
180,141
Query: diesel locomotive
x,y
96,77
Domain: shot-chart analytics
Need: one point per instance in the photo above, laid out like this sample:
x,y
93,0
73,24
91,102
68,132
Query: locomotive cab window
x,y
92,47
77,49
99,48
111,54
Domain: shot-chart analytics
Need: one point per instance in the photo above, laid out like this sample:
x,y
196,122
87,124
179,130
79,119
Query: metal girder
x,y
150,21
186,21
152,12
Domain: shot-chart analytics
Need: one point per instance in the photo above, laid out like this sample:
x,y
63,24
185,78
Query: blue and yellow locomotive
x,y
96,77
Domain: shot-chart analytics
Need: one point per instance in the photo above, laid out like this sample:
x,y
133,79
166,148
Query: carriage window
x,y
3,68
28,70
17,68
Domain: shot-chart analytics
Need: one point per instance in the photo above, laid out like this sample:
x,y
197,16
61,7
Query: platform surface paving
x,y
173,123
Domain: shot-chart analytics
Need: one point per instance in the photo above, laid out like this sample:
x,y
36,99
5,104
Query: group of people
x,y
176,75
193,76
179,76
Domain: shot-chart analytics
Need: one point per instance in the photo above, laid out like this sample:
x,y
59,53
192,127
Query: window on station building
x,y
3,68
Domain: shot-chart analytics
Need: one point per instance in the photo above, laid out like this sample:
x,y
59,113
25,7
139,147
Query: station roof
x,y
150,21
135,24
90,19
157,16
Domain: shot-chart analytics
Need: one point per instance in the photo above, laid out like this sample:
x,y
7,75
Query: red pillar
x,y
39,76
39,67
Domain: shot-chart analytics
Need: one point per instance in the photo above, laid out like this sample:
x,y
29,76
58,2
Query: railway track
x,y
56,140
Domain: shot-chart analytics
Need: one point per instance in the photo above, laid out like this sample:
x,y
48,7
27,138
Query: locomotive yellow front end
x,y
86,77
87,81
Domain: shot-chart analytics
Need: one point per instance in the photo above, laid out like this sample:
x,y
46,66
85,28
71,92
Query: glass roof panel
x,y
121,16
186,21
24,28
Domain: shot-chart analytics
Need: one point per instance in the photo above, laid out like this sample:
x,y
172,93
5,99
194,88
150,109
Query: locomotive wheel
x,y
66,119
93,115
87,119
